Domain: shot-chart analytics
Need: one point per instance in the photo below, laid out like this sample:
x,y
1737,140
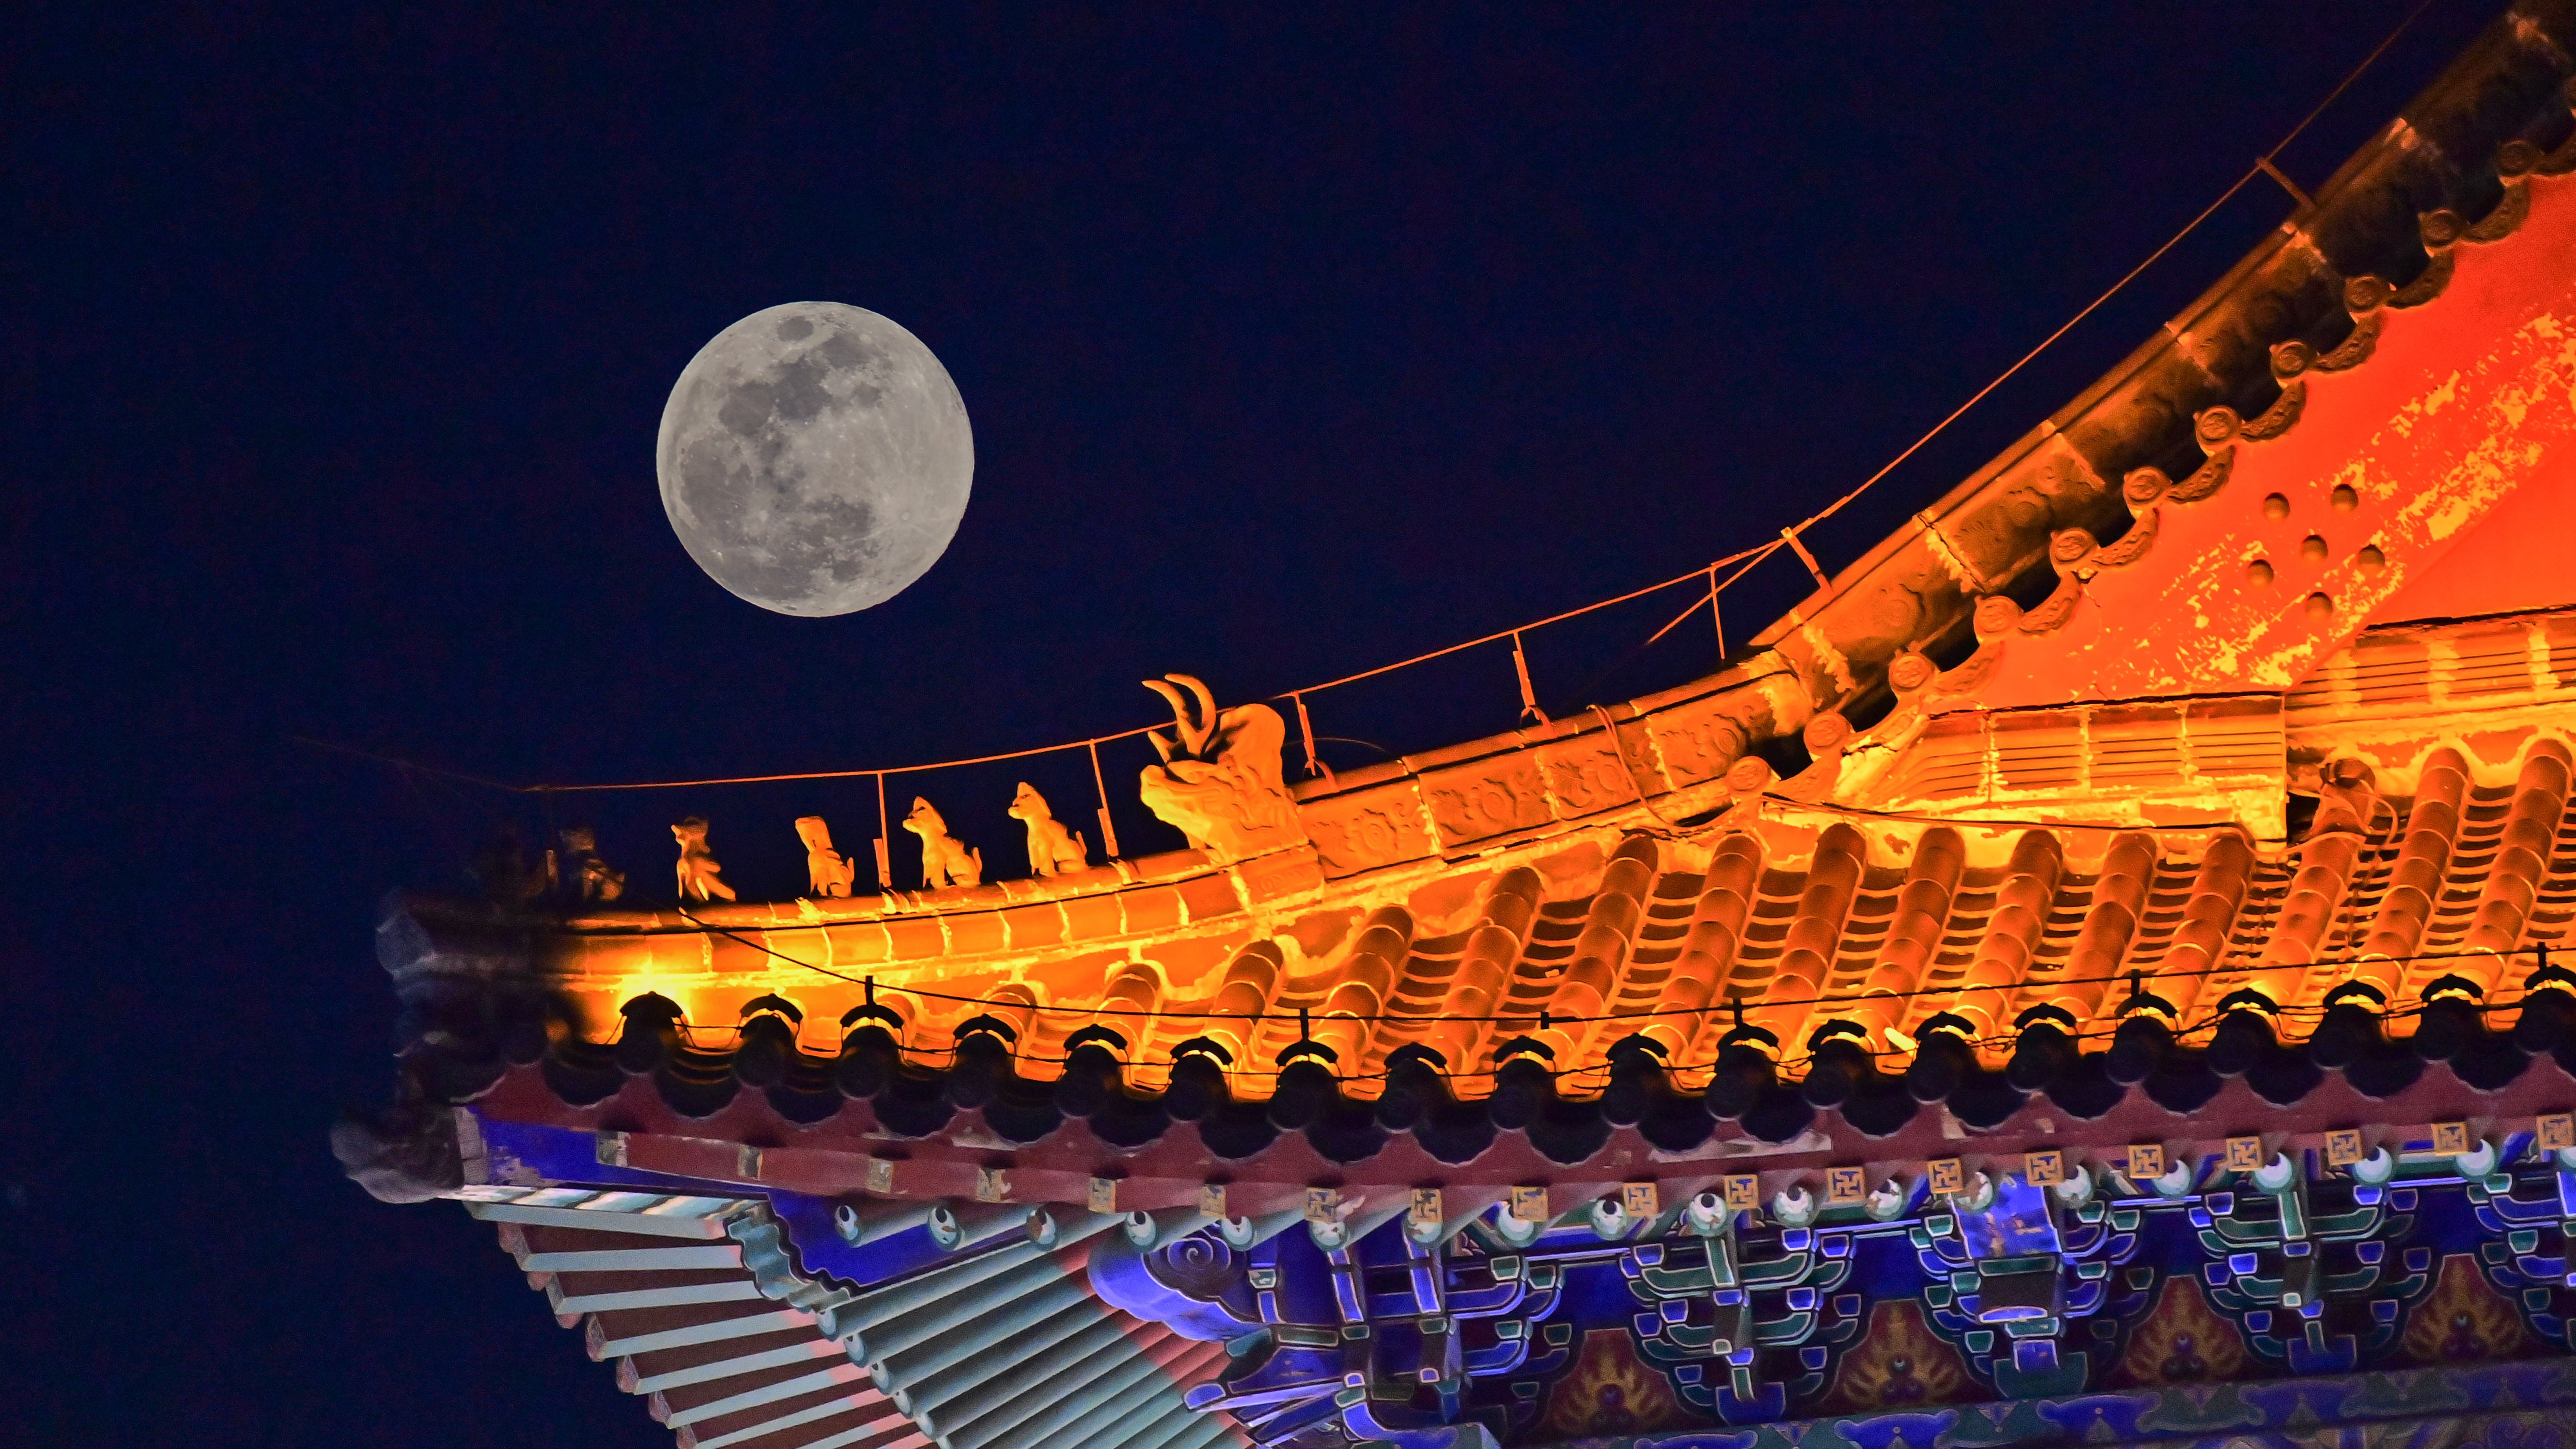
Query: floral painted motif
x,y
2182,1340
2464,1319
1898,1364
1611,1393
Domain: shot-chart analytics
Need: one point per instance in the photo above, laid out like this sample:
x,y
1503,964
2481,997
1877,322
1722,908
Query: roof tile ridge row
x,y
1847,649
2076,555
1921,686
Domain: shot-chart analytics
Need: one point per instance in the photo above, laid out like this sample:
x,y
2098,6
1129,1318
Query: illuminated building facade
x,y
2085,975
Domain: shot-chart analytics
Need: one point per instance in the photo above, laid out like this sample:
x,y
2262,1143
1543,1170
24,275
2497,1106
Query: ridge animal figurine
x,y
1053,849
697,865
1219,782
582,876
829,872
945,859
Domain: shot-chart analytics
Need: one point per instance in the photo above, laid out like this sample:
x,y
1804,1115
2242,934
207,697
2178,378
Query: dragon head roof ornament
x,y
1219,783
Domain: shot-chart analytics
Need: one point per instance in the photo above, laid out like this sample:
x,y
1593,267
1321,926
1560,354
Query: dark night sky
x,y
337,343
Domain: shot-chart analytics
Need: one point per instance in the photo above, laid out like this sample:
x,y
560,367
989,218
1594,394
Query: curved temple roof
x,y
2203,757
2130,744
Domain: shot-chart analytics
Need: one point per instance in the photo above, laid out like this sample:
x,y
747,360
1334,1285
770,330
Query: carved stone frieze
x,y
1486,798
1367,829
1586,774
1695,742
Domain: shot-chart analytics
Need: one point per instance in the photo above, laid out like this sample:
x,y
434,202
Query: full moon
x,y
815,459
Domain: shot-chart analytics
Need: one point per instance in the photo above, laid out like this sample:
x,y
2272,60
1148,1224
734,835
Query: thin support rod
x,y
1804,557
1716,615
1520,666
1108,832
1315,767
885,850
2264,164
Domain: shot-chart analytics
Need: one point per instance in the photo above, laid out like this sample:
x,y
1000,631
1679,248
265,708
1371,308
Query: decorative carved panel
x,y
1487,798
1695,742
1366,829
